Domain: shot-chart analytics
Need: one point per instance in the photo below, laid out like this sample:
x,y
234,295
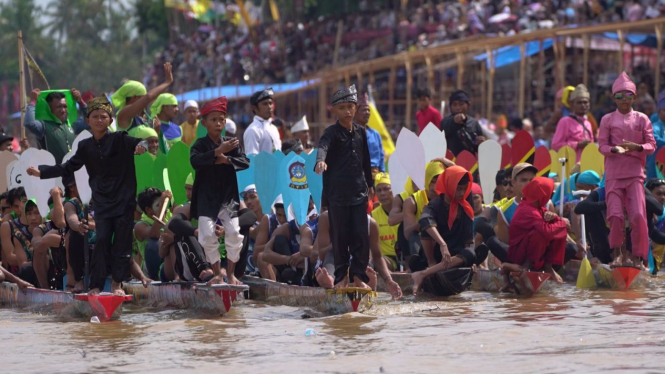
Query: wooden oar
x,y
167,186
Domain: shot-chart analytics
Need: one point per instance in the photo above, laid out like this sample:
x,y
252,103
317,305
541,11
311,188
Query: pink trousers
x,y
628,194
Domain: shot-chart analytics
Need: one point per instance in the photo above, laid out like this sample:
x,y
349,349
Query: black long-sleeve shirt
x,y
435,214
215,186
349,174
109,162
456,143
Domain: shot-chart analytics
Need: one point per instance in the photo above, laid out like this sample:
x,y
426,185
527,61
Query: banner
x,y
274,11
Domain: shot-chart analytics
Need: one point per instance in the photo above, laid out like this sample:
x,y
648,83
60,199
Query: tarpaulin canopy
x,y
234,92
507,55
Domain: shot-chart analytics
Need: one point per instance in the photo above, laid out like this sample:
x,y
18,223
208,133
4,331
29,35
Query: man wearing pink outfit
x,y
575,129
625,138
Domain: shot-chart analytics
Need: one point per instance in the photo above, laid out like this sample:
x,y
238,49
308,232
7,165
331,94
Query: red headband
x,y
216,105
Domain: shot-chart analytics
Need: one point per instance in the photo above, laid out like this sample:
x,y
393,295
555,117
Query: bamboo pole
x,y
659,55
460,69
562,62
430,75
323,104
490,84
409,91
483,87
622,41
359,78
541,74
347,79
391,95
520,108
21,73
585,59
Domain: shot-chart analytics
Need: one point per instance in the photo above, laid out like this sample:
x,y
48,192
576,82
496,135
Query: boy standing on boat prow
x,y
625,139
109,159
216,159
343,158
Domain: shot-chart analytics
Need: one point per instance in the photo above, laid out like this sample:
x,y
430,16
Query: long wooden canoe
x,y
215,300
614,278
65,304
528,283
335,301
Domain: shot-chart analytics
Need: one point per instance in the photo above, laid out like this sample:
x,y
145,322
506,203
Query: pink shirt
x,y
614,129
569,132
425,117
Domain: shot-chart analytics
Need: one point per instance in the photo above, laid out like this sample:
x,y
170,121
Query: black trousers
x,y
246,219
113,250
77,254
190,259
598,234
349,231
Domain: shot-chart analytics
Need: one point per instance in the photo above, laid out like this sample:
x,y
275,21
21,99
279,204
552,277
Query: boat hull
x,y
337,301
63,304
213,300
617,278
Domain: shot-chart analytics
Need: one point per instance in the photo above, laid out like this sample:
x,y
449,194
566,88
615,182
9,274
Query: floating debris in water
x,y
94,319
310,332
332,355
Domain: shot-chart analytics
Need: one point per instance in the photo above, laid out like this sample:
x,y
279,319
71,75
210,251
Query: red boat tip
x,y
625,275
103,306
355,298
536,279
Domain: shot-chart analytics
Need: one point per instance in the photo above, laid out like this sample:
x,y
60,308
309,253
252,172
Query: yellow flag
x,y
376,122
585,278
274,10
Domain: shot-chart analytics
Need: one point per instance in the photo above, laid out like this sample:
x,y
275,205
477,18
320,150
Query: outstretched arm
x,y
132,110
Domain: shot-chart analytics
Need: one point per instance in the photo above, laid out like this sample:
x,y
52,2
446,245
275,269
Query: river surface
x,y
569,330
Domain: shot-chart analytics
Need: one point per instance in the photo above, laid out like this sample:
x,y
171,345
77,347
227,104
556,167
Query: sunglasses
x,y
627,96
507,182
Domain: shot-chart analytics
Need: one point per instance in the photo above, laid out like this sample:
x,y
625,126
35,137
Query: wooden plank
x,y
659,56
391,95
520,108
409,93
585,59
622,42
490,85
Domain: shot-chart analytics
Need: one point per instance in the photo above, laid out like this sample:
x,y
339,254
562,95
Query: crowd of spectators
x,y
294,50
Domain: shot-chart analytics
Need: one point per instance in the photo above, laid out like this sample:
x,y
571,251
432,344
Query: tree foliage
x,y
88,44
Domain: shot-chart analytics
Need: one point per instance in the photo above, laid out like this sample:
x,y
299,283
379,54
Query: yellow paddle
x,y
585,278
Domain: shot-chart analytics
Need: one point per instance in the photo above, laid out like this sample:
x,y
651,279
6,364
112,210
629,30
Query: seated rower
x,y
14,233
147,232
190,260
387,233
326,266
282,252
5,208
49,259
413,207
264,232
447,221
656,223
149,135
537,236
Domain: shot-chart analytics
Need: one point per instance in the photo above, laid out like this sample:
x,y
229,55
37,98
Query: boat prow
x,y
331,301
614,278
214,299
526,283
104,306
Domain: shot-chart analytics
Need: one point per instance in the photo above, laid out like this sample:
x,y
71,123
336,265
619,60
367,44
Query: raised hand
x,y
168,73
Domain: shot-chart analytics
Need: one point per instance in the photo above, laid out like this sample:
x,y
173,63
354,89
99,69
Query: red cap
x,y
216,105
475,189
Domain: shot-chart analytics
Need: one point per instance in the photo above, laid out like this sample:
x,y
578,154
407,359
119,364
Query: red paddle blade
x,y
506,155
103,306
542,161
625,275
660,159
468,161
523,148
449,155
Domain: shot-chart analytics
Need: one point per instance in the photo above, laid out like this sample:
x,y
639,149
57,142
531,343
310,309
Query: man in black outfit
x,y
462,132
343,158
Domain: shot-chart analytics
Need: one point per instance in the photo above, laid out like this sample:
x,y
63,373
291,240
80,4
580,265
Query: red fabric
x,y
428,115
216,105
531,237
447,184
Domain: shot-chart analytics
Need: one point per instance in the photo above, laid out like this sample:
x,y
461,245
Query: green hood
x,y
43,111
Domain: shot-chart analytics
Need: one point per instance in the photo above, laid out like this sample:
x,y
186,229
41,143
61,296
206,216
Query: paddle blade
x,y
542,161
506,155
449,155
585,278
523,148
660,160
467,160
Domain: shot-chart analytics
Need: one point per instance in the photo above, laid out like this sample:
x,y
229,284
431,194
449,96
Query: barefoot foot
x,y
324,279
555,276
94,292
372,278
206,275
417,279
217,279
233,280
116,289
360,284
344,283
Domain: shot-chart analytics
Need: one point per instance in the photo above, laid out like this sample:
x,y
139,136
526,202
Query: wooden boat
x,y
614,278
215,300
330,301
65,304
527,284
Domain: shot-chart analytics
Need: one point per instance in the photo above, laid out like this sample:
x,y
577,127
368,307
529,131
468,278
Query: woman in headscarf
x,y
537,236
131,100
447,221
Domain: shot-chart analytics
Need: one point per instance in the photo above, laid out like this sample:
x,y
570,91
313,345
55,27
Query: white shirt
x,y
261,136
